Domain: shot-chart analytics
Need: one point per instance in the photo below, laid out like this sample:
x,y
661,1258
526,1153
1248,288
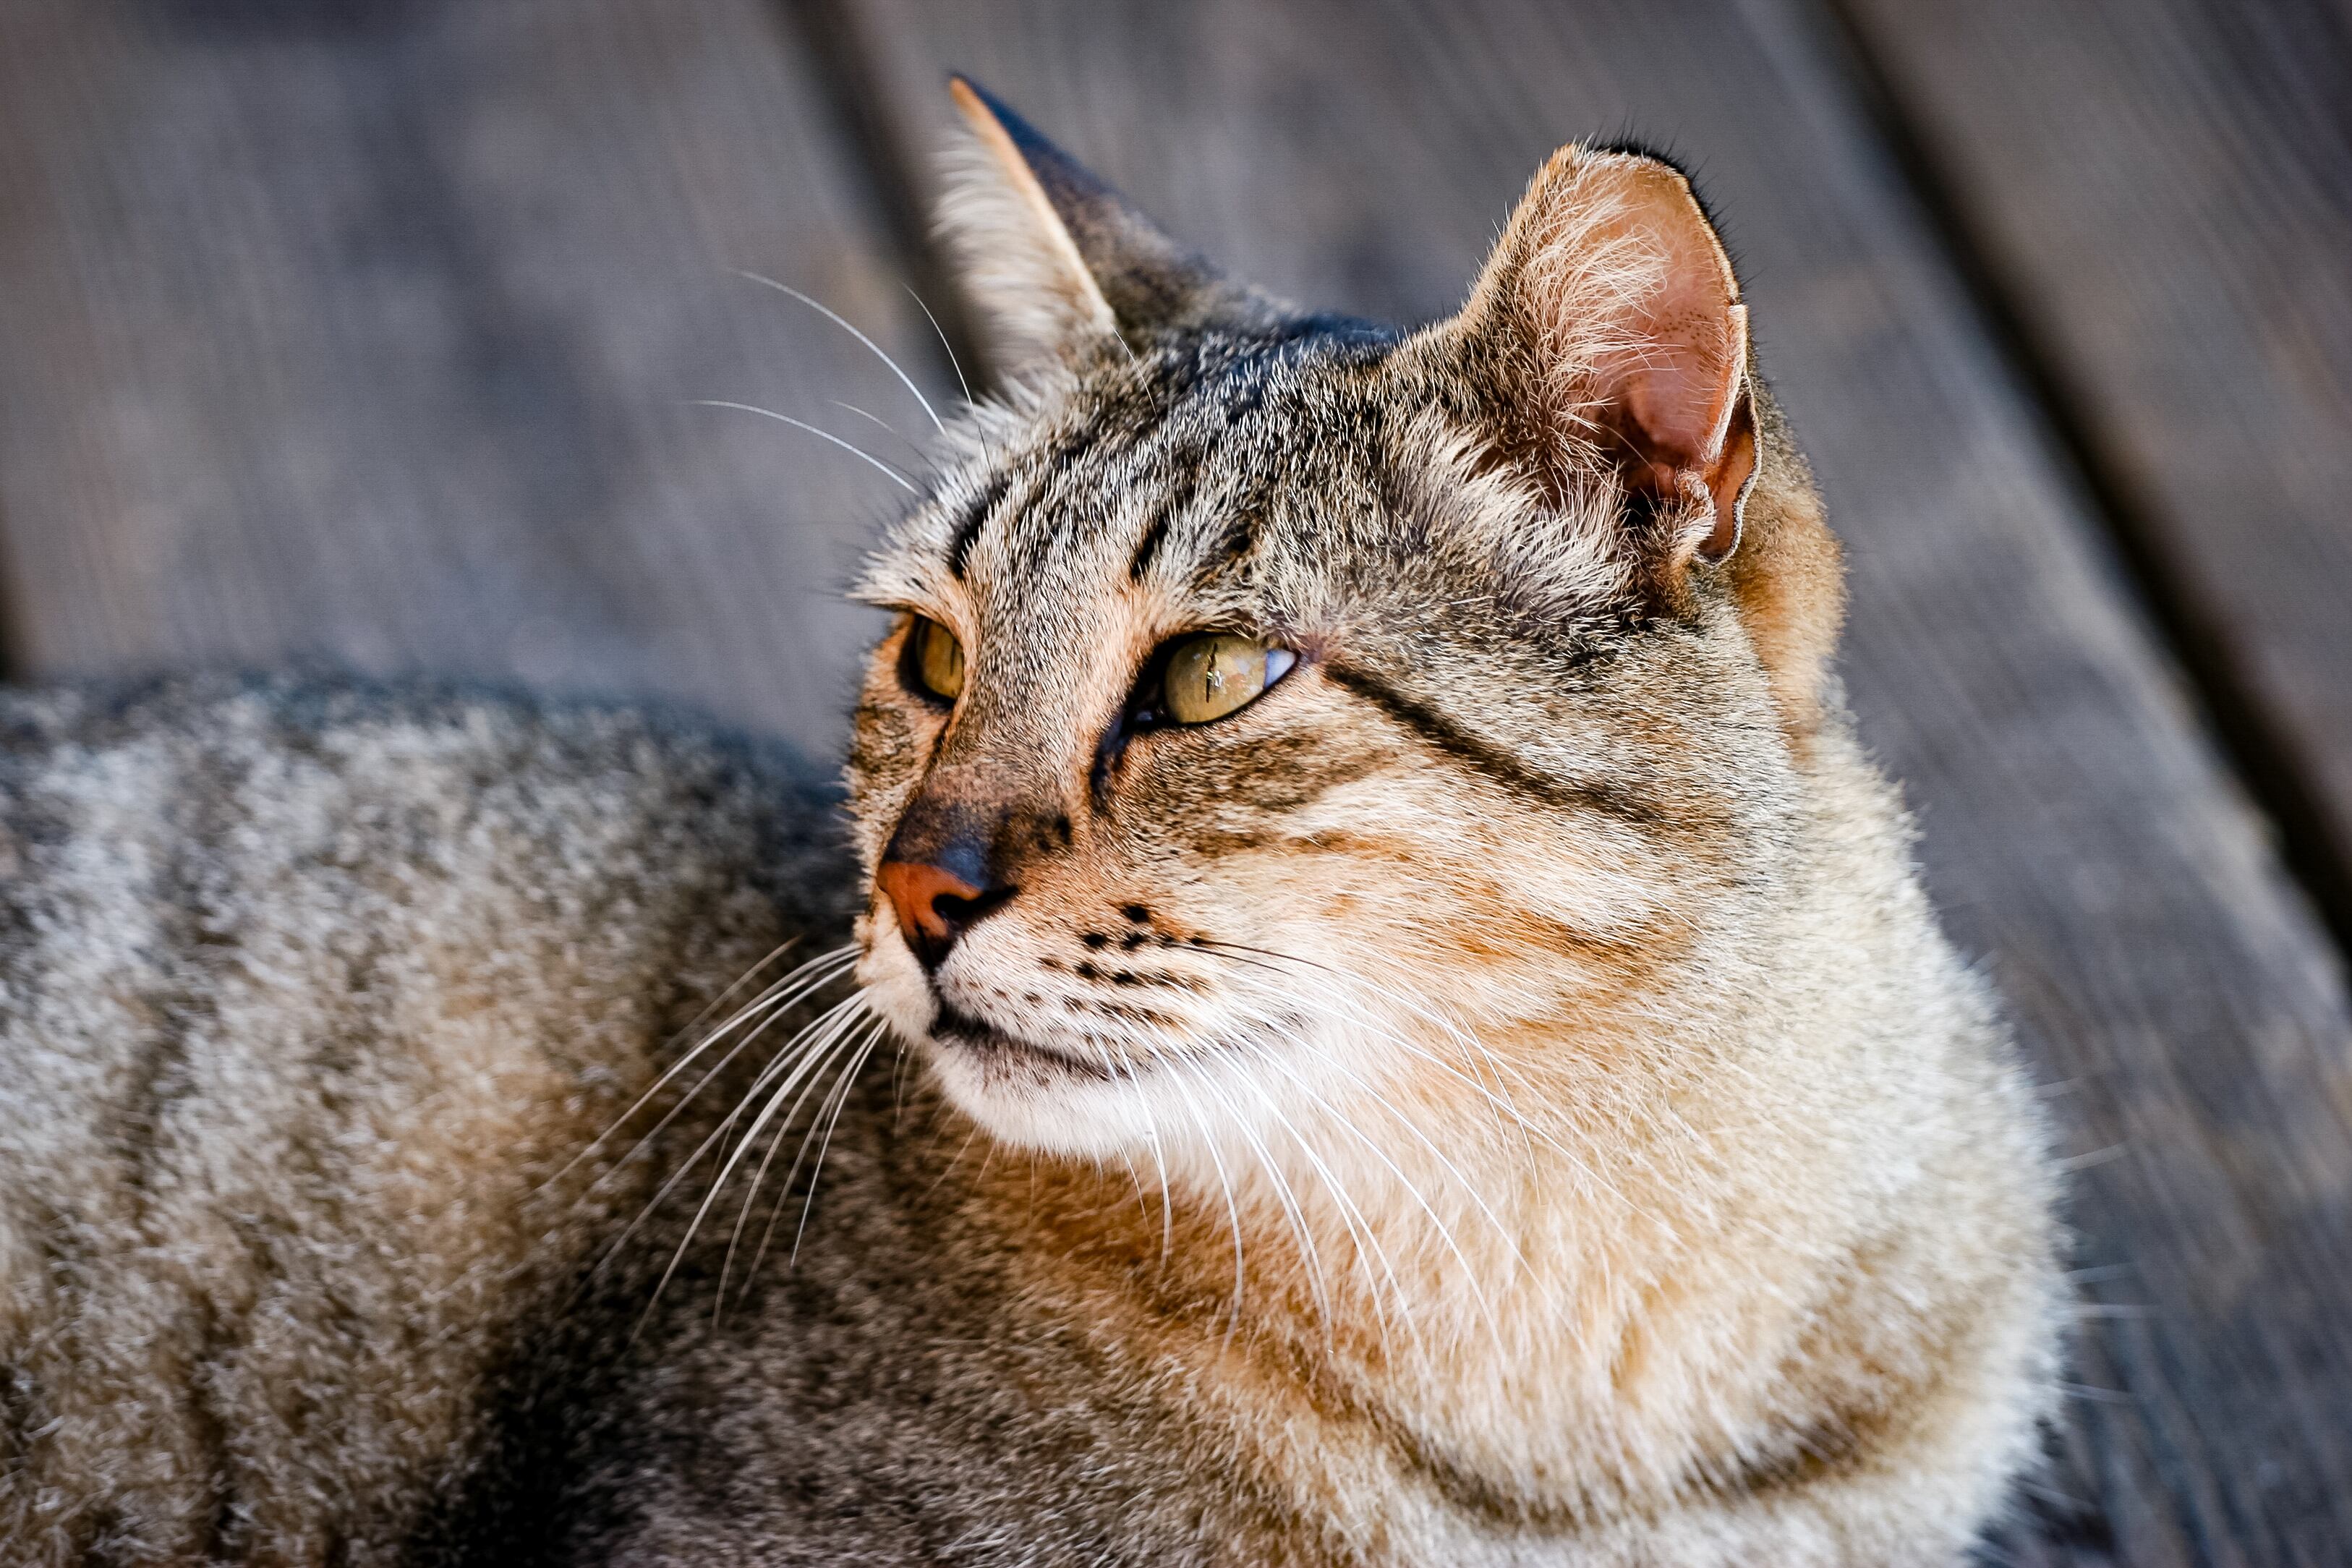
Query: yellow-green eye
x,y
1211,675
939,659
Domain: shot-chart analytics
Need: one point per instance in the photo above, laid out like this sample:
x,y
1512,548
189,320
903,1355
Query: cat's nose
x,y
935,905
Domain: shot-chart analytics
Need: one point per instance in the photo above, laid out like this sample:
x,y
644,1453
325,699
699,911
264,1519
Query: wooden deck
x,y
366,331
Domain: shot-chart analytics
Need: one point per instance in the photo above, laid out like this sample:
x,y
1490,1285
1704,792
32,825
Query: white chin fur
x,y
1028,1102
1203,1116
1040,1106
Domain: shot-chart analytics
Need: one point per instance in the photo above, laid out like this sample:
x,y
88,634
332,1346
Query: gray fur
x,y
331,1018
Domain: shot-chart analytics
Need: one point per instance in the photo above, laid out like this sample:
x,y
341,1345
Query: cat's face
x,y
1260,741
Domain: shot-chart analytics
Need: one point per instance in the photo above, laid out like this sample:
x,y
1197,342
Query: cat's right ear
x,y
1606,334
1061,265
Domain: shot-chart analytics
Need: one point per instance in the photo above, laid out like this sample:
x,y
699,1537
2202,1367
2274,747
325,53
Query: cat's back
x,y
307,991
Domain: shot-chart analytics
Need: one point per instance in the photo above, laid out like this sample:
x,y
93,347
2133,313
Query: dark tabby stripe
x,y
968,527
1473,752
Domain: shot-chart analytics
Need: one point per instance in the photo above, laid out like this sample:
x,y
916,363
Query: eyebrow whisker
x,y
903,481
843,323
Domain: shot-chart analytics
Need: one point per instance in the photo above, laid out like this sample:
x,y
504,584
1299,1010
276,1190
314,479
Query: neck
x,y
1402,1264
1500,1295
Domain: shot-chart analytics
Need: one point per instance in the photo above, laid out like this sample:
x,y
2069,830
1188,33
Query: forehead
x,y
1165,475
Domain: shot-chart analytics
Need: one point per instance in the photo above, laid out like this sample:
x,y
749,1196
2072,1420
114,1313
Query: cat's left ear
x,y
1060,264
1607,330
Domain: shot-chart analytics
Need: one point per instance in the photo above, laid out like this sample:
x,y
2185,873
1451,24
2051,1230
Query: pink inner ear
x,y
1609,317
1680,401
1679,387
1680,394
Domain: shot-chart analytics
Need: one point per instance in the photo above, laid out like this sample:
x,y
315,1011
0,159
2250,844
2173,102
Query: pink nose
x,y
933,905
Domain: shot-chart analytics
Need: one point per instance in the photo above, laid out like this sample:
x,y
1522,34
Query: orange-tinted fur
x,y
1496,1094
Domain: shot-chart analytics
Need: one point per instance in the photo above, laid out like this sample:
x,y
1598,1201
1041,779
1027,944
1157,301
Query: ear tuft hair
x,y
1607,333
1018,259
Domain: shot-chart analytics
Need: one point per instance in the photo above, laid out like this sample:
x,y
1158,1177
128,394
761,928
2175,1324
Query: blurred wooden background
x,y
368,332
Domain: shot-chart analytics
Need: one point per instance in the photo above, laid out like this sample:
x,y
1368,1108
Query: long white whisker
x,y
1501,1105
875,419
1233,1210
900,479
1361,1083
1360,1232
842,1041
1469,1042
1444,1231
841,321
839,1100
1159,1164
877,1028
1352,1216
1125,1073
719,1134
1284,1199
843,1010
754,1018
705,1041
953,363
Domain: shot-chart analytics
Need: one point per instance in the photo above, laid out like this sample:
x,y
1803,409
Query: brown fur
x,y
1498,1096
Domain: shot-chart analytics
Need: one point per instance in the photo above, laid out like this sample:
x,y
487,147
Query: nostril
x,y
956,910
934,906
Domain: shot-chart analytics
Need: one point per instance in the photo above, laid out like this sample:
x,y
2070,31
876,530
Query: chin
x,y
1030,1096
1034,1098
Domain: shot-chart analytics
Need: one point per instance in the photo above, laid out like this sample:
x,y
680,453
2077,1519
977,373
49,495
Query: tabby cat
x,y
1372,1010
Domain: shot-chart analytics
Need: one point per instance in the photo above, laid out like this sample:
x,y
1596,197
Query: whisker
x,y
710,1007
1354,1015
717,1134
873,418
1159,1164
1363,1238
1469,1041
953,363
1125,1074
841,321
770,1004
1445,1232
851,1047
1503,1106
726,1124
831,1022
971,1136
1358,1227
1233,1210
841,1041
1284,1198
839,1099
900,479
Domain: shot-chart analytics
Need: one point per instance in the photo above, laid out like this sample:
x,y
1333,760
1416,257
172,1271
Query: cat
x,y
1370,1009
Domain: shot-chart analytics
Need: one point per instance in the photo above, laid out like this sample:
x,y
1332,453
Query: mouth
x,y
952,1027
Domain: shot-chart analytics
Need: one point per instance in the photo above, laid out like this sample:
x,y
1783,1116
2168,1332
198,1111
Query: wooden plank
x,y
367,333
2162,190
2078,829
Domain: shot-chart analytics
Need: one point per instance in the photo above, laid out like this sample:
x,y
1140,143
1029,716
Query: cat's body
x,y
1495,1094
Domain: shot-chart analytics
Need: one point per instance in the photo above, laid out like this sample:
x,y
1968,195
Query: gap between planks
x,y
2228,701
875,141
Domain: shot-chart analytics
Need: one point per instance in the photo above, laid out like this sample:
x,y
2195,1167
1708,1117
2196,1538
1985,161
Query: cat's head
x,y
1285,712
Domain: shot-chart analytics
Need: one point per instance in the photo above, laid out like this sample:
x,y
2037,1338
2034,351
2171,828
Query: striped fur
x,y
1501,1097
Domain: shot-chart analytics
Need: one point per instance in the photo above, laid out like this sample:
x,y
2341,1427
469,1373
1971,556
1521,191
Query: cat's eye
x,y
1217,673
939,659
